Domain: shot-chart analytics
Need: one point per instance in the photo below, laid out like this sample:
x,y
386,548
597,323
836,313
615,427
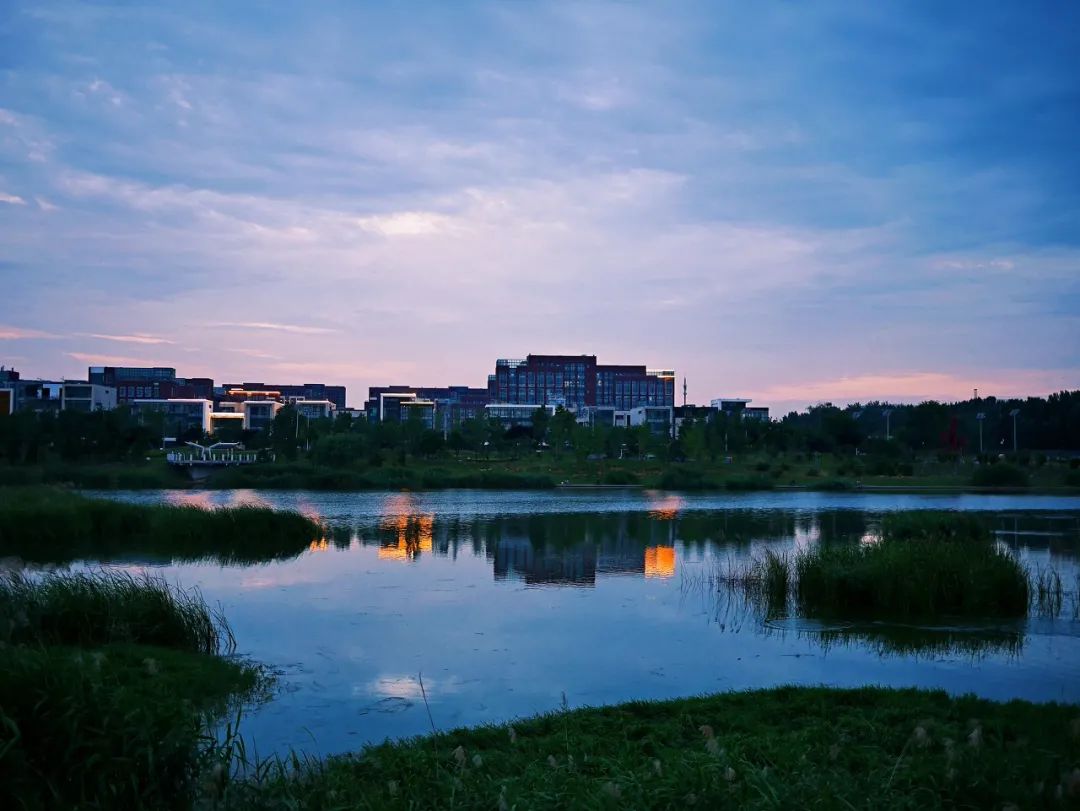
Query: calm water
x,y
505,602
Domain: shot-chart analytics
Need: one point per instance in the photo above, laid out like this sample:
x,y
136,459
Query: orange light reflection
x,y
660,561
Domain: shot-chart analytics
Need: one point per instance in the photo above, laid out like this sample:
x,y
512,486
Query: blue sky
x,y
787,201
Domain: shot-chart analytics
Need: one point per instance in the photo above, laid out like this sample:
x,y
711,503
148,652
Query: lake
x,y
510,603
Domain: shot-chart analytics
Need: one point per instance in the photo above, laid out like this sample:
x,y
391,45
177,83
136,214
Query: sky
x,y
792,202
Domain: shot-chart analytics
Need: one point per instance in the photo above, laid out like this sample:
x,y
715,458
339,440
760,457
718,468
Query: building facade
x,y
578,382
79,396
178,417
304,391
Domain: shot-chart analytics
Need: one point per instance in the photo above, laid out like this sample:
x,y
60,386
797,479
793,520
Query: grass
x,y
926,565
50,525
109,687
782,748
90,609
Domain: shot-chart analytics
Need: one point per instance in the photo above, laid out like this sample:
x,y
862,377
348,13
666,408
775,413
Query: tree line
x,y
1041,425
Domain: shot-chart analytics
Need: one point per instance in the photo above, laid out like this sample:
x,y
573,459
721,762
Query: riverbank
x,y
749,473
782,748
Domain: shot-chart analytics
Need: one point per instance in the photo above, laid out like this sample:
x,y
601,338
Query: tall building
x,y
578,382
305,391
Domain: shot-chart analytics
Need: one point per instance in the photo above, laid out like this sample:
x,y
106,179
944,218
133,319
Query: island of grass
x,y
49,525
109,685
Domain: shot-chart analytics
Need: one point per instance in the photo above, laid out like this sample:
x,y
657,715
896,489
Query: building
x,y
178,417
77,395
577,382
134,382
305,391
453,404
36,395
737,407
511,415
313,409
258,414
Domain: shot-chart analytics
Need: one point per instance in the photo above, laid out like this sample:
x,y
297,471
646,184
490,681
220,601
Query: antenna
x,y
684,392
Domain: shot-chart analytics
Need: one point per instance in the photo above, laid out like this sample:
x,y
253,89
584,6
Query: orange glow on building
x,y
660,561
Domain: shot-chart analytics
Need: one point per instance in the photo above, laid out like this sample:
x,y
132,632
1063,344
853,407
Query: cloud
x,y
130,339
8,333
296,329
110,360
11,199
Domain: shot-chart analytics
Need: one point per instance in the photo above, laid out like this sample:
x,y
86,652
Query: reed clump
x,y
91,609
109,690
925,565
51,525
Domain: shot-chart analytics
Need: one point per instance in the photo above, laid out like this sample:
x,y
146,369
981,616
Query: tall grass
x,y
49,525
91,609
926,565
107,690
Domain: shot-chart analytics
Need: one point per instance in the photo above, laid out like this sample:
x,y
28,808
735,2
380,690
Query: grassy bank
x,y
749,471
784,748
107,687
51,525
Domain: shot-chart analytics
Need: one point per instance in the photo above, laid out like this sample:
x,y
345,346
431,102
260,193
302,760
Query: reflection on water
x,y
503,601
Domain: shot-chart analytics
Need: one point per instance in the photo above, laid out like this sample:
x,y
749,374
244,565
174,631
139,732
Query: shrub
x,y
623,477
681,478
1000,475
1072,478
748,483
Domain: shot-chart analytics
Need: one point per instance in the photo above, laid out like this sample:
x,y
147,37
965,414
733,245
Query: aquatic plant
x,y
50,525
99,608
911,577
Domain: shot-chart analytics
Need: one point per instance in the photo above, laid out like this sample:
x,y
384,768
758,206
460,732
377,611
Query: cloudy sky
x,y
792,202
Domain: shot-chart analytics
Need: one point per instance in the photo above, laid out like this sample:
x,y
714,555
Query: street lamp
x,y
980,417
1014,414
888,434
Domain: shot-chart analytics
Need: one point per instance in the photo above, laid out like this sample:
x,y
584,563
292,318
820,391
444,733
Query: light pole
x,y
1014,413
980,417
888,434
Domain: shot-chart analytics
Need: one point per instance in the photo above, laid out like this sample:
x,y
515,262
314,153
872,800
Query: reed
x,y
914,571
100,608
50,525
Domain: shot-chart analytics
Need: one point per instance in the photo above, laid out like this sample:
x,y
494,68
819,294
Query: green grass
x,y
91,609
1000,475
120,726
783,748
926,565
109,688
50,525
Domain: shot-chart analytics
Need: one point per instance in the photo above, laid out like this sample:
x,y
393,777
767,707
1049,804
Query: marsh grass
x,y
109,690
54,526
781,748
100,608
764,579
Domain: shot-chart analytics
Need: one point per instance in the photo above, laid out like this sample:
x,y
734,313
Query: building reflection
x,y
404,532
575,549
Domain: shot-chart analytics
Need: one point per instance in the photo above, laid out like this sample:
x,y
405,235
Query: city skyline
x,y
793,205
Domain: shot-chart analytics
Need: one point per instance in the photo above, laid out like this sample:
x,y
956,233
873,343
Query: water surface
x,y
504,603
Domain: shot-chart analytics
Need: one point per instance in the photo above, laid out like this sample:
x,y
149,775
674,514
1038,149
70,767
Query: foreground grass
x,y
91,716
49,525
783,748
